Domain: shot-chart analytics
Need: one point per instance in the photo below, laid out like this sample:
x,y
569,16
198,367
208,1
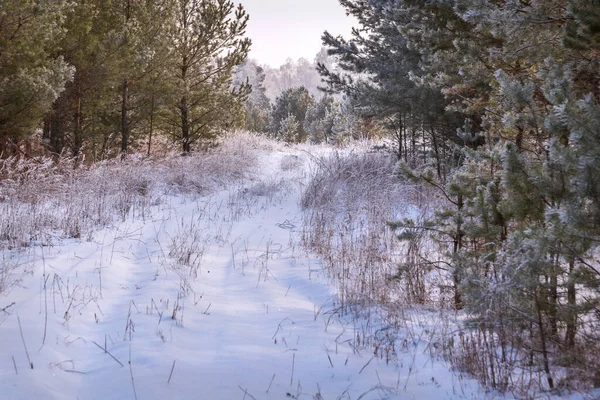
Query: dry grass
x,y
42,200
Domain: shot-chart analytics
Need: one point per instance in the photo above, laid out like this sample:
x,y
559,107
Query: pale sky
x,y
292,28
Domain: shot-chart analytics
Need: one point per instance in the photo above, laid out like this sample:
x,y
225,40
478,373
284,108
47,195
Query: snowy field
x,y
203,296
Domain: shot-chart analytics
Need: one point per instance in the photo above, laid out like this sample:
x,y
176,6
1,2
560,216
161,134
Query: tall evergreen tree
x,y
257,106
32,74
83,110
208,42
294,103
142,53
376,69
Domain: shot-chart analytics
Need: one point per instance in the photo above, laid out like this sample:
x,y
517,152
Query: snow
x,y
207,297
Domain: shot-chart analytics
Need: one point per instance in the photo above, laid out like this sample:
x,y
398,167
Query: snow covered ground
x,y
203,297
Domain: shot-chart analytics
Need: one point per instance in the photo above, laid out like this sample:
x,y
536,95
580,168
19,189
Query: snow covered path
x,y
201,298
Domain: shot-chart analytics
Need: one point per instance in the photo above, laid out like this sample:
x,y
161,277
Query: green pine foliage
x,y
257,107
294,102
289,129
32,72
98,79
495,106
208,44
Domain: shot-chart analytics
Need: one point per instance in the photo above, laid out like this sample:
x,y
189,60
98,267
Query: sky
x,y
292,28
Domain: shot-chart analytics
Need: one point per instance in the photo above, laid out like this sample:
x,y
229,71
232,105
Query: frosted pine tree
x,y
32,74
289,129
295,102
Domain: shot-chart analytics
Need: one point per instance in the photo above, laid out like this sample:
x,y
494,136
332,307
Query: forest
x,y
481,117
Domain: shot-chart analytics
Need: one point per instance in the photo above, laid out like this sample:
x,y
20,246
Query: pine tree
x,y
32,74
82,111
257,106
289,129
319,121
139,75
378,67
518,226
208,42
294,102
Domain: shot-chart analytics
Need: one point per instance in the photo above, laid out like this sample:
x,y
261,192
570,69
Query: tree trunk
x,y
414,145
54,137
125,99
553,297
543,342
151,124
424,145
436,150
398,128
46,130
124,119
183,105
458,245
185,127
571,311
404,136
77,130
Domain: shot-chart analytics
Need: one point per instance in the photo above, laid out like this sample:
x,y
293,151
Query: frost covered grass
x,y
42,200
347,202
351,198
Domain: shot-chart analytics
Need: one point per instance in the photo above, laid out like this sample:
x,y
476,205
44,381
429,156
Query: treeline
x,y
100,78
495,106
291,74
288,104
